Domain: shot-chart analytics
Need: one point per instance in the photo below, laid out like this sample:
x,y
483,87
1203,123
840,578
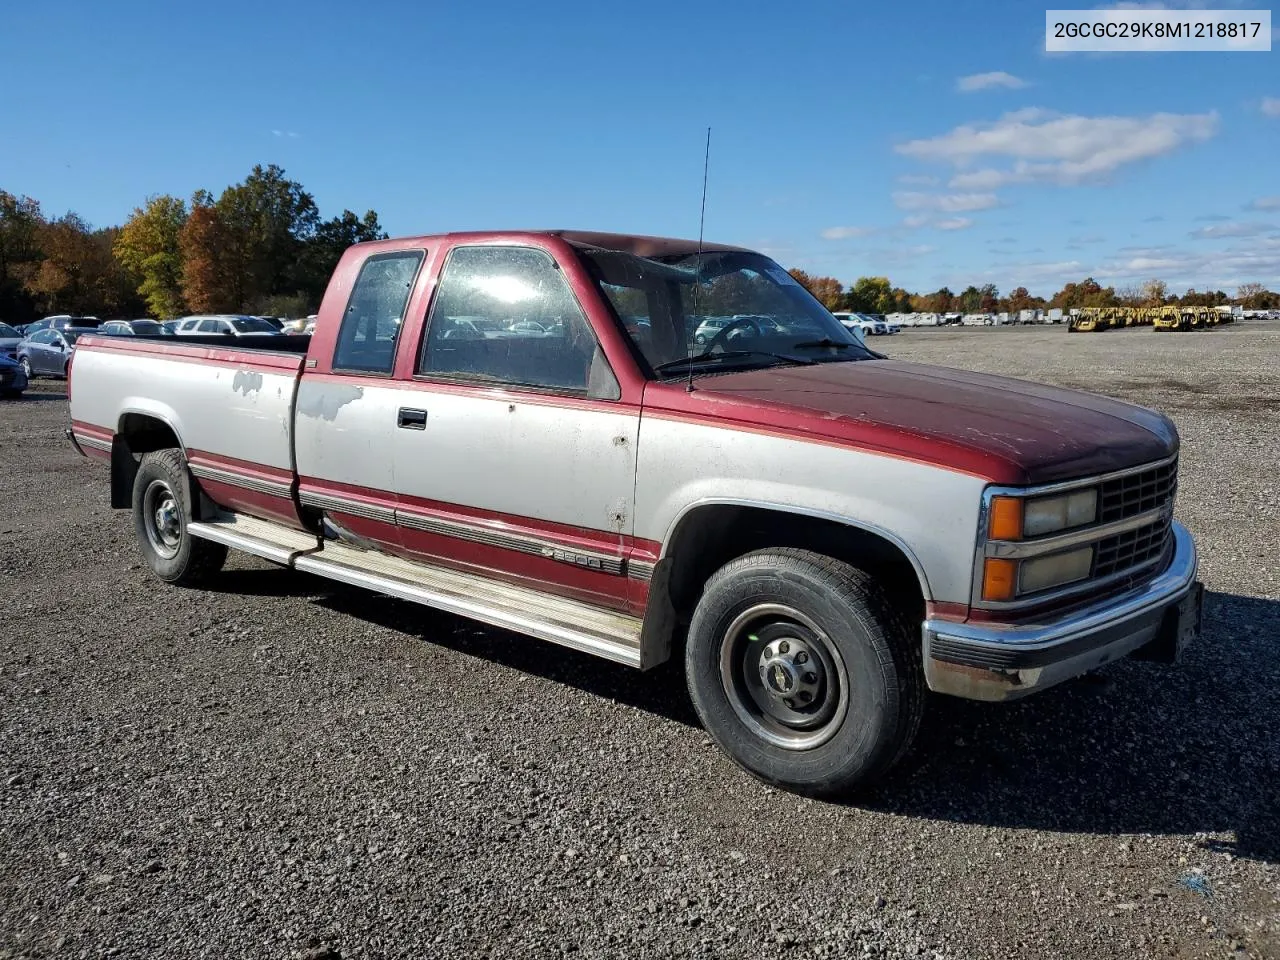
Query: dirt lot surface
x,y
287,768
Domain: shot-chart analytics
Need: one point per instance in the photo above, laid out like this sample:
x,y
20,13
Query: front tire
x,y
804,672
161,511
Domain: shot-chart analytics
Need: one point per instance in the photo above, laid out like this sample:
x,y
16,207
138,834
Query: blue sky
x,y
843,139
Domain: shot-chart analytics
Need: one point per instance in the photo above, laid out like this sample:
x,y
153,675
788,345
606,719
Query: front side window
x,y
506,315
371,324
44,336
721,309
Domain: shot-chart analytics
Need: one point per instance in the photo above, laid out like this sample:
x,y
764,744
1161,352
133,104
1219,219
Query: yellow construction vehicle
x,y
1169,318
1089,319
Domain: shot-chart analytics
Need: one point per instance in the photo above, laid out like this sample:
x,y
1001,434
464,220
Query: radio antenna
x,y
697,277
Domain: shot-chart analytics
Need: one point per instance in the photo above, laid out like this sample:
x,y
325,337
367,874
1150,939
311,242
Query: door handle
x,y
410,419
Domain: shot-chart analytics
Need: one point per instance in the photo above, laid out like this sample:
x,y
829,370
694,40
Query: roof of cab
x,y
636,244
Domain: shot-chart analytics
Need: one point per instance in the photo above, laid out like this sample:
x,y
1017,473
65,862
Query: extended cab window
x,y
506,315
371,324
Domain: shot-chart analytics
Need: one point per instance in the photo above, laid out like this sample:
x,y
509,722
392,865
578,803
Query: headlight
x,y
1054,570
1013,518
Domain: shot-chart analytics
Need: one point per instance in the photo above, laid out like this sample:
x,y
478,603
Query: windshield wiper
x,y
824,342
731,355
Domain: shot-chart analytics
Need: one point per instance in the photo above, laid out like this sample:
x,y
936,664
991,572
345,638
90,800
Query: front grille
x,y
1130,549
1137,493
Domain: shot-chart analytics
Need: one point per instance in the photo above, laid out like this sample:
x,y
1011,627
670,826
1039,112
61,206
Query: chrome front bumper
x,y
983,661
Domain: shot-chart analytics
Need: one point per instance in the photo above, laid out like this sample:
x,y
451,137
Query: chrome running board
x,y
570,623
262,538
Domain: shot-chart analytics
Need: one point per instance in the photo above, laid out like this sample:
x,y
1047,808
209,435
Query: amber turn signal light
x,y
999,579
1005,522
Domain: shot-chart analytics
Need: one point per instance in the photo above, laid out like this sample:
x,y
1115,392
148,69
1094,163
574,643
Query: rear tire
x,y
804,672
161,511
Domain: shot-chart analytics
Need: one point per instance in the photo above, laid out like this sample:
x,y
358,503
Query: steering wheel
x,y
722,335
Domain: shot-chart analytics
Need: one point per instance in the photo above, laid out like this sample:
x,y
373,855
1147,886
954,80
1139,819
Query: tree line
x,y
258,247
261,247
878,295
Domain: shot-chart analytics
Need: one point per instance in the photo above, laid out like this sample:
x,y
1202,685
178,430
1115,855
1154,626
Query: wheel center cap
x,y
781,677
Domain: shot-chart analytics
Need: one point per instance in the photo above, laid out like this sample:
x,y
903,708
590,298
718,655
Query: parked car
x,y
13,378
868,325
47,352
820,534
133,328
60,322
230,325
9,340
277,322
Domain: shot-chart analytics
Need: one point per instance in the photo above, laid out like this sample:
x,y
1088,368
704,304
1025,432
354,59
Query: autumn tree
x,y
149,246
1254,296
1020,299
78,272
942,301
988,297
247,245
1087,293
1154,293
20,219
210,281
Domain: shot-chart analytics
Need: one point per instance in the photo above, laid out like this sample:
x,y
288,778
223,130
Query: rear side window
x,y
371,324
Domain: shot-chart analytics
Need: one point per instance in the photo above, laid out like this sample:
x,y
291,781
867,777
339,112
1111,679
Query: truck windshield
x,y
718,309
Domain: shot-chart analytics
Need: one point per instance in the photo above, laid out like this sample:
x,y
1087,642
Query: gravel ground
x,y
287,768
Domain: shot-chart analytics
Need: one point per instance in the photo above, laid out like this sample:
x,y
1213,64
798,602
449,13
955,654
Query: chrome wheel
x,y
26,367
162,518
783,676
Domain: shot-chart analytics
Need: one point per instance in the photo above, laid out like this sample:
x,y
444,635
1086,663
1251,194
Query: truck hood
x,y
1010,431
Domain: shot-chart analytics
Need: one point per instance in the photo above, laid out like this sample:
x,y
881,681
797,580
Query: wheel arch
x,y
710,533
138,431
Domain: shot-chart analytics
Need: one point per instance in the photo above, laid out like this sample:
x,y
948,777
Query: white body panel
x,y
570,465
344,431
212,407
930,512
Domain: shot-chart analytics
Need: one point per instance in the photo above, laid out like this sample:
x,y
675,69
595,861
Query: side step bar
x,y
591,629
262,538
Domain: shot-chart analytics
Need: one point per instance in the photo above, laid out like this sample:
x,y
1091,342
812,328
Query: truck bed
x,y
230,405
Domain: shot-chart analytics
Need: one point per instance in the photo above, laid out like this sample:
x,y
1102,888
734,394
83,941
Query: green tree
x,y
149,246
322,251
871,295
970,299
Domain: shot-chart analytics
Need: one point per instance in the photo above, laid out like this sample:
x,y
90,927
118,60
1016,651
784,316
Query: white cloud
x,y
918,180
988,81
1223,230
285,133
954,223
1053,148
1265,203
913,222
945,202
846,233
1271,106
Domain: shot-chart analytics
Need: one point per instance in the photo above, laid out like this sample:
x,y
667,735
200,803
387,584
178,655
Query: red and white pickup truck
x,y
518,427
